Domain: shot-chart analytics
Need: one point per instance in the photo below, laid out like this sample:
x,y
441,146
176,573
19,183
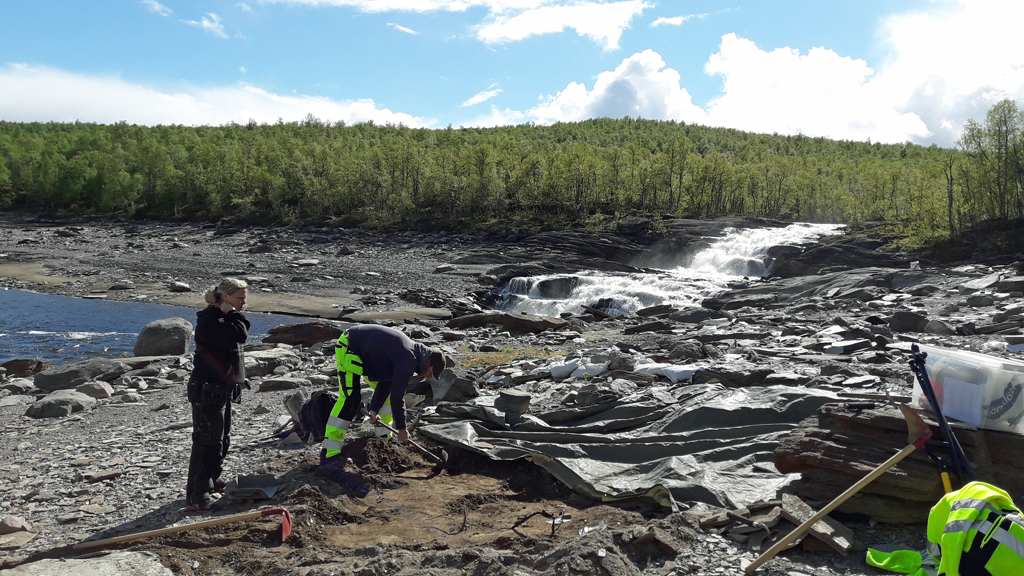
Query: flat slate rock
x,y
120,562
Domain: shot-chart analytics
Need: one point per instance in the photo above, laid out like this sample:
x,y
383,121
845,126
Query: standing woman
x,y
219,374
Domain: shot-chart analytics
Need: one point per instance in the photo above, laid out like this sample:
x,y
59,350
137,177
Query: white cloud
x,y
675,20
512,20
602,23
639,86
377,6
817,94
211,23
158,8
402,28
37,94
946,65
954,62
498,117
483,96
242,69
244,7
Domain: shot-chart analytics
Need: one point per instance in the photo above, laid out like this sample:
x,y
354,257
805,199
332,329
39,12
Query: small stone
x,y
14,524
15,540
97,509
98,390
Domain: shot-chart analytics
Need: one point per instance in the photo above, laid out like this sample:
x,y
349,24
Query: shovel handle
x,y
789,538
433,456
184,528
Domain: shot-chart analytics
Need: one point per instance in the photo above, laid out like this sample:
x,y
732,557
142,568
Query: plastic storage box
x,y
976,389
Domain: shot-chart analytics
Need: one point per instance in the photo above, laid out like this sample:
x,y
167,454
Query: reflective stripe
x,y
1010,541
385,410
338,423
330,444
973,503
958,526
1002,536
380,431
933,550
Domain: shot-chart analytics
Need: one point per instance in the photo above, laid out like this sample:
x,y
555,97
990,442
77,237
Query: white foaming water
x,y
741,252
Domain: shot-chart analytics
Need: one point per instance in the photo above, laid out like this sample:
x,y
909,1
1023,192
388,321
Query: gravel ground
x,y
117,469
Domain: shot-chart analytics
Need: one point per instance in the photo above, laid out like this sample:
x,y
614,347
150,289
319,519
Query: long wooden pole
x,y
175,529
781,544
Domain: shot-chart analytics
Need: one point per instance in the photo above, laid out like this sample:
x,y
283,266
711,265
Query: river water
x,y
739,253
61,329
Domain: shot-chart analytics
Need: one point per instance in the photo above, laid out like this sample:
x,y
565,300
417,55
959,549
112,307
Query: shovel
x,y
917,432
443,458
286,528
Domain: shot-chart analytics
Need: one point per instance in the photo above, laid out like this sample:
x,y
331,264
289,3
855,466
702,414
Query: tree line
x,y
566,174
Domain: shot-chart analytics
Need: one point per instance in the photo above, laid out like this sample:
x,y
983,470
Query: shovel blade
x,y
286,525
286,520
918,431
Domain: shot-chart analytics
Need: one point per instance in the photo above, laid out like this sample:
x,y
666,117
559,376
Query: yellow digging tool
x,y
918,433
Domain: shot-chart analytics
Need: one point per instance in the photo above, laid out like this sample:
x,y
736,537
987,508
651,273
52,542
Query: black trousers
x,y
211,429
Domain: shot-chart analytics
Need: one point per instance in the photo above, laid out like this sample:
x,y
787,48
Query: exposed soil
x,y
395,512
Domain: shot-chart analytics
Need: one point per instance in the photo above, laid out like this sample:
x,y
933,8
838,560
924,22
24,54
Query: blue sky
x,y
889,71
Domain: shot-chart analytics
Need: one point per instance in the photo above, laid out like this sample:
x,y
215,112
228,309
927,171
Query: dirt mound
x,y
376,456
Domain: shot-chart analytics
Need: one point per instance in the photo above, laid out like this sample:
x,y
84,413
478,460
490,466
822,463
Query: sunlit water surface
x,y
61,329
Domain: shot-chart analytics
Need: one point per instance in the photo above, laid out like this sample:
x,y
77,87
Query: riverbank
x,y
769,350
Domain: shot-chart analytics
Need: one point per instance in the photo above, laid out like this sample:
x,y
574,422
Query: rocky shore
x,y
106,457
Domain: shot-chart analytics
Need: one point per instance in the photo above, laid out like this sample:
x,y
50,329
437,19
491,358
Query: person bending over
x,y
387,359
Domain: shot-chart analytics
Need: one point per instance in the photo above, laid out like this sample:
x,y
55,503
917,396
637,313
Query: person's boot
x,y
204,505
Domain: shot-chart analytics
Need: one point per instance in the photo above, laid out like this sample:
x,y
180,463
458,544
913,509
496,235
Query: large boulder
x,y
166,337
736,300
452,386
74,375
742,266
698,315
22,368
97,390
59,404
687,350
303,334
556,287
837,257
264,362
904,321
17,385
1011,284
511,322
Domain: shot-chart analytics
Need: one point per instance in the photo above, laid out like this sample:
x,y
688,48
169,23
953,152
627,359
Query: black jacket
x,y
219,341
391,359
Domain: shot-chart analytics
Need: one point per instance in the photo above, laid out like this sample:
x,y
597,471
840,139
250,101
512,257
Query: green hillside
x,y
564,175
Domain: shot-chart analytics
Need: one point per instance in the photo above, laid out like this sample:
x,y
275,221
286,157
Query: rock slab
x,y
74,375
120,562
59,404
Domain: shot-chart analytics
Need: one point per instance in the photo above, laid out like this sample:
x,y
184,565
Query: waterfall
x,y
739,253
